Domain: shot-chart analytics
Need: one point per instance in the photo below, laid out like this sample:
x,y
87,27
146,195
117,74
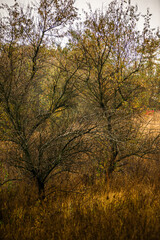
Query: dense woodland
x,y
78,158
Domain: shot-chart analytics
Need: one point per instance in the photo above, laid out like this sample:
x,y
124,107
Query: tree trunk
x,y
41,191
113,150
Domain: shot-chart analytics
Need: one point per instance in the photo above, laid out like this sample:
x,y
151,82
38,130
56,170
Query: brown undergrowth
x,y
126,207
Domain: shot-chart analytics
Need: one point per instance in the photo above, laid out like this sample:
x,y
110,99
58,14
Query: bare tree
x,y
113,53
37,91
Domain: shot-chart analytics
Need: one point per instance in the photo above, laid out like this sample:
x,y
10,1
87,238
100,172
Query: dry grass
x,y
152,122
127,207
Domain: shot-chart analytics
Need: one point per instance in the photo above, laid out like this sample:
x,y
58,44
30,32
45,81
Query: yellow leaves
x,y
125,104
59,111
139,101
19,215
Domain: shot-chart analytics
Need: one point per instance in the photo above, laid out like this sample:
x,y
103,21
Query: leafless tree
x,y
37,92
113,53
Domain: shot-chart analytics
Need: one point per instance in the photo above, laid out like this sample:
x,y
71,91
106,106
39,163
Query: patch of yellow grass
x,y
125,208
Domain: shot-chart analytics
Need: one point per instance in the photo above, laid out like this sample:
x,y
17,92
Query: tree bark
x,y
41,190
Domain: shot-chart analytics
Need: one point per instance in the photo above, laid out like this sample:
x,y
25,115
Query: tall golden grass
x,y
152,122
126,207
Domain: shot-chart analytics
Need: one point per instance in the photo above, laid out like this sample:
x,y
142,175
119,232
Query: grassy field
x,y
127,206
152,121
